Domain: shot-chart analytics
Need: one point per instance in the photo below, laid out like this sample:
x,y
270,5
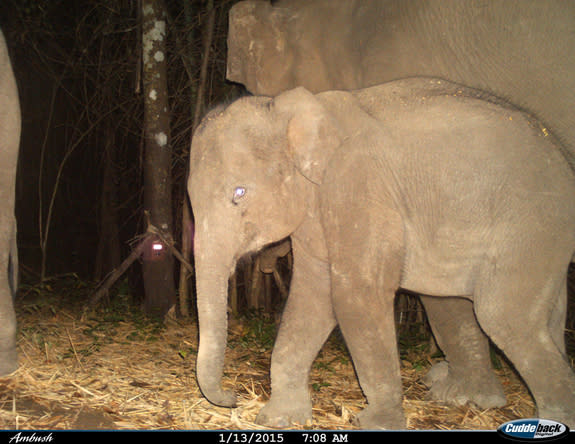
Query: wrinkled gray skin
x,y
415,184
518,49
9,146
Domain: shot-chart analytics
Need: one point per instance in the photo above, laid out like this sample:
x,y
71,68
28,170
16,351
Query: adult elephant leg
x,y
8,353
466,375
9,143
8,282
306,323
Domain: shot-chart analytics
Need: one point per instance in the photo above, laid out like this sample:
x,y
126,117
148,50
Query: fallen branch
x,y
105,286
152,233
169,242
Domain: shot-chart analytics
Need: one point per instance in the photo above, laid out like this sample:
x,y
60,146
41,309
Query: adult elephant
x,y
521,50
9,146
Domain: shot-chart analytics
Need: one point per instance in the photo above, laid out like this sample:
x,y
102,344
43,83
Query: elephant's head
x,y
275,48
262,60
253,169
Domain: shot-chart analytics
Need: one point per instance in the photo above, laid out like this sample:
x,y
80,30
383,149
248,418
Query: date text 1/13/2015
x,y
282,437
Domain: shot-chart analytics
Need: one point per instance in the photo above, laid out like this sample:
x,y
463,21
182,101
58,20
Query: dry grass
x,y
130,374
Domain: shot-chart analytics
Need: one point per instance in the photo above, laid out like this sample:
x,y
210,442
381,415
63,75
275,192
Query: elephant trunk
x,y
212,300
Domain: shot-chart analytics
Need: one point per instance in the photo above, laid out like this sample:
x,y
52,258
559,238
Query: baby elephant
x,y
419,184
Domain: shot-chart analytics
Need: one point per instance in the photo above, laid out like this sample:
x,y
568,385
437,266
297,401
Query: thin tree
x,y
158,262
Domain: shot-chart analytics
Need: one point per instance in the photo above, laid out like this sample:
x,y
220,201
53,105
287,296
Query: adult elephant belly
x,y
536,74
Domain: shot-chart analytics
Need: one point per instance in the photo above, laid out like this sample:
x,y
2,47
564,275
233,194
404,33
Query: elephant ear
x,y
312,134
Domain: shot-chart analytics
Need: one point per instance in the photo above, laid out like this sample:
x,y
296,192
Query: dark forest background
x,y
80,184
78,65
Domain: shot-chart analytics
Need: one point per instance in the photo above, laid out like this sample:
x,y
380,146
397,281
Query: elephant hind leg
x,y
515,310
466,375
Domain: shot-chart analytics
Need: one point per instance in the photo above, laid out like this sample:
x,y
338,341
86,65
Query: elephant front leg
x,y
466,375
306,323
366,263
365,316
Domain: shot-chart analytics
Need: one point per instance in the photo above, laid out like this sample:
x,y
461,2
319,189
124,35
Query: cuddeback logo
x,y
533,430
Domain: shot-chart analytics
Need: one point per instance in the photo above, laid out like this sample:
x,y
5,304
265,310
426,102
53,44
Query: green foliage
x,y
258,332
66,296
106,320
326,366
496,357
187,352
317,386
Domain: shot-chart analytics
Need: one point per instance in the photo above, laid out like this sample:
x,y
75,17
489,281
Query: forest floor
x,y
114,369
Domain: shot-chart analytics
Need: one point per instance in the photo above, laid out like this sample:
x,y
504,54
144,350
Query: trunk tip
x,y
223,398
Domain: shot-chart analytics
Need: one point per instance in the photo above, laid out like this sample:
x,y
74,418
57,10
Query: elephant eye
x,y
239,193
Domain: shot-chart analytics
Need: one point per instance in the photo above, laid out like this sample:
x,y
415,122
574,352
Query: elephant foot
x,y
285,413
373,418
562,415
8,362
481,388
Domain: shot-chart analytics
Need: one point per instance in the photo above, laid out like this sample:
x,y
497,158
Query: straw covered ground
x,y
112,369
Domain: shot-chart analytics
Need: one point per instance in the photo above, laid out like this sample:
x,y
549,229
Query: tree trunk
x,y
158,263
